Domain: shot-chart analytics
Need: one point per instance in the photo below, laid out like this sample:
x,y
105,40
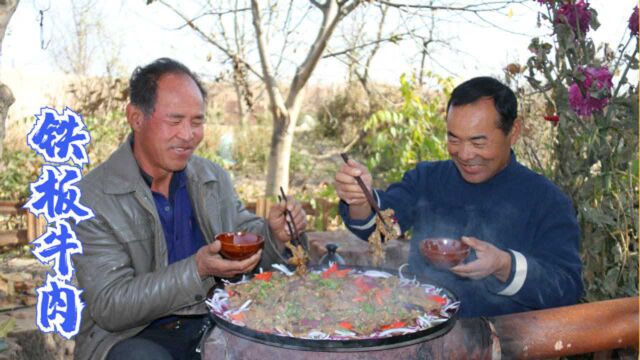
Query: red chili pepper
x,y
334,272
362,285
237,317
341,273
553,118
395,325
345,324
436,298
265,276
333,268
230,292
381,294
359,299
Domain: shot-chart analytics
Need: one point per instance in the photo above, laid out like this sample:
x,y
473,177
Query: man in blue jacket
x,y
522,229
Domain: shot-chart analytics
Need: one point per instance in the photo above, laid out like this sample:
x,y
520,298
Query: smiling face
x,y
165,140
478,147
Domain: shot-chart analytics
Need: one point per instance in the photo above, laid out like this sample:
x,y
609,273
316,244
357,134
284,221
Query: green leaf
x,y
7,327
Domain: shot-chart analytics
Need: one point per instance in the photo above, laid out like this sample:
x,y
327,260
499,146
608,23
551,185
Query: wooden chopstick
x,y
369,196
294,231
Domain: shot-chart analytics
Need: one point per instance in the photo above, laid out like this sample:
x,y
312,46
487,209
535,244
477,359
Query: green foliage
x,y
251,148
398,139
594,158
19,169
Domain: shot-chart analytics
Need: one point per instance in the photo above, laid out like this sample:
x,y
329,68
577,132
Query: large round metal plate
x,y
343,345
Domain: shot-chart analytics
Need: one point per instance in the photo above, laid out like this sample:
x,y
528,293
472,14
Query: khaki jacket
x,y
123,270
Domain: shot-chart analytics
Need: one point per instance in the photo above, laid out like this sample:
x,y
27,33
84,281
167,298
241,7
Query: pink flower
x,y
577,16
633,22
597,86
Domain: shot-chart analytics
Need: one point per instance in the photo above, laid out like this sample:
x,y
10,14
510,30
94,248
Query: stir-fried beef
x,y
338,300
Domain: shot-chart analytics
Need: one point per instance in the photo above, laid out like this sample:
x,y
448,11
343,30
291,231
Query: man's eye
x,y
197,121
479,143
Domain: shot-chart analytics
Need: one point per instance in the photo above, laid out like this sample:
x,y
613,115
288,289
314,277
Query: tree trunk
x,y
7,8
285,112
241,115
280,155
6,99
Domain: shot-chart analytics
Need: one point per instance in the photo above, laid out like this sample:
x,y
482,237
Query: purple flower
x,y
597,86
577,16
633,22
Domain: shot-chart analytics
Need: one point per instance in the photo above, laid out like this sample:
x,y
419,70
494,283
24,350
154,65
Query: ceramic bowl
x,y
444,253
239,245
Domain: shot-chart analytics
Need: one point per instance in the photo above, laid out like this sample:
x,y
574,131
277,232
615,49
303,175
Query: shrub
x,y
397,139
594,157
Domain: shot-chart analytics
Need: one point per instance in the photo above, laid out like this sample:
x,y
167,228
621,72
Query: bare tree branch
x,y
377,42
210,39
287,33
317,4
485,6
211,13
332,14
276,102
365,77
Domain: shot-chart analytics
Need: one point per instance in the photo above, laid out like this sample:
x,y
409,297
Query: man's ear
x,y
515,131
135,117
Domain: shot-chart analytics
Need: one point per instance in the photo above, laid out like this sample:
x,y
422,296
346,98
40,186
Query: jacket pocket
x,y
138,241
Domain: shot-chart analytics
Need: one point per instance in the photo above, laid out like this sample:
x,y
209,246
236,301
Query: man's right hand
x,y
350,192
211,263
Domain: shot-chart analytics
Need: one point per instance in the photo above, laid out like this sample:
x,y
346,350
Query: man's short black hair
x,y
487,87
143,84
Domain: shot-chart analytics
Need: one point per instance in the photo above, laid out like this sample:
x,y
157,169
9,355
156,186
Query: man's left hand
x,y
277,219
490,261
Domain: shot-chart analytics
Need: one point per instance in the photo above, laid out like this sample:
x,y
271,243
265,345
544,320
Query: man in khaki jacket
x,y
150,256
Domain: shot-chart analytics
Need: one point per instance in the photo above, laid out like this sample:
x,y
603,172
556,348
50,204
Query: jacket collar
x,y
124,173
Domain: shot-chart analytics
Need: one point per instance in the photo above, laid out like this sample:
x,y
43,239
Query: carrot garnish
x,y
230,292
237,317
362,285
265,276
358,299
333,268
345,324
341,273
395,325
436,298
381,294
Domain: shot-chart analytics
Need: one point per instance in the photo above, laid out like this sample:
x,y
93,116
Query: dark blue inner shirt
x,y
181,231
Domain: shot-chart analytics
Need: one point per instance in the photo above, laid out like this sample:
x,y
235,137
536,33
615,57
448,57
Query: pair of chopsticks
x,y
293,230
369,196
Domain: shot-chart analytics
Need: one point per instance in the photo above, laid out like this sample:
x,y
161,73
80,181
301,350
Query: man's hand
x,y
277,219
211,263
490,261
350,192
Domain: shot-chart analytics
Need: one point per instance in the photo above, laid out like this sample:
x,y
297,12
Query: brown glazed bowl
x,y
239,245
444,253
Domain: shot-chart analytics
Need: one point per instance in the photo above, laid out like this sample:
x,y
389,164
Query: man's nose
x,y
466,152
186,130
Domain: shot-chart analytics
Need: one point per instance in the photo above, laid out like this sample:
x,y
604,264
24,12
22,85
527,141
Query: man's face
x,y
476,145
165,140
